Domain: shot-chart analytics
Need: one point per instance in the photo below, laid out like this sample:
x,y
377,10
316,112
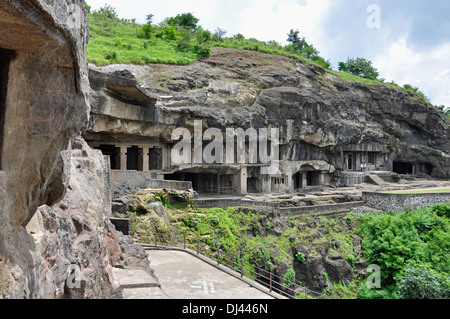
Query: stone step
x,y
135,278
376,180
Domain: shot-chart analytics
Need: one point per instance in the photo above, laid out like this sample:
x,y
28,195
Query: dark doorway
x,y
298,180
403,168
5,58
424,168
350,161
134,158
313,178
372,158
114,154
252,185
155,158
204,183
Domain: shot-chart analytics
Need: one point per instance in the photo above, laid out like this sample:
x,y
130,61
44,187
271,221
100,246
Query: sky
x,y
408,41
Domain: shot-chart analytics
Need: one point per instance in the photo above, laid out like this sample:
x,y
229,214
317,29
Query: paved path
x,y
183,276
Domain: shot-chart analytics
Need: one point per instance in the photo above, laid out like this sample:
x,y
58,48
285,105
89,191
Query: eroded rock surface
x,y
44,105
329,115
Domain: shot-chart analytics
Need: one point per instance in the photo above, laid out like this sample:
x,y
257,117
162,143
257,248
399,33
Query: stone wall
x,y
397,202
225,203
143,180
319,209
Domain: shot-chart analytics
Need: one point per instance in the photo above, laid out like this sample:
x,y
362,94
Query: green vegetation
x,y
410,248
359,67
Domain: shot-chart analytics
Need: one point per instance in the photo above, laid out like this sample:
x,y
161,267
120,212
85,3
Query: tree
x,y
360,67
108,12
299,45
88,7
444,109
185,20
219,34
149,18
297,42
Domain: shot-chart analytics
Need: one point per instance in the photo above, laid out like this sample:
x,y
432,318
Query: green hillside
x,y
181,40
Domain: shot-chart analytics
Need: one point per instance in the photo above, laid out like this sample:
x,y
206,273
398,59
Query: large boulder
x,y
77,235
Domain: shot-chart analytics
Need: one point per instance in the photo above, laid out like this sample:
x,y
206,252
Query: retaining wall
x,y
319,209
144,180
225,203
398,202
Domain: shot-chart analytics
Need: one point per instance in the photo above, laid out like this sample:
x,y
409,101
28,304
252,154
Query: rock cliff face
x,y
329,115
44,105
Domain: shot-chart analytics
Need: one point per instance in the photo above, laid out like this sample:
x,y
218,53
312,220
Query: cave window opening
x,y
135,158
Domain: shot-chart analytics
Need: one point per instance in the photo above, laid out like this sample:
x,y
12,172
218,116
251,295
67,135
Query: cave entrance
x,y
5,58
298,180
155,158
135,158
113,152
403,168
424,168
313,178
205,183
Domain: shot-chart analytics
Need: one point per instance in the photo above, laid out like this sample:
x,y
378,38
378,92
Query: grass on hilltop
x,y
114,40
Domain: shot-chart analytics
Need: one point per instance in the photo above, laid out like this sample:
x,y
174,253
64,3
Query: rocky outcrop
x,y
329,115
76,245
44,106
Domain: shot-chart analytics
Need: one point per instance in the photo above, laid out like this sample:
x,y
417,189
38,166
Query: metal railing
x,y
288,288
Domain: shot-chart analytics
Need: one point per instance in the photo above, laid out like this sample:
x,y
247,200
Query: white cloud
x,y
428,70
272,19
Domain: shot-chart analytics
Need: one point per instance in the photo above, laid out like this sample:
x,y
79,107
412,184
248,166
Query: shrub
x,y
423,283
300,257
289,277
147,31
359,67
365,292
442,210
112,55
390,241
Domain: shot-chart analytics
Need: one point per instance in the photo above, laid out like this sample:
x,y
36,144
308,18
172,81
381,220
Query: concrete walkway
x,y
185,276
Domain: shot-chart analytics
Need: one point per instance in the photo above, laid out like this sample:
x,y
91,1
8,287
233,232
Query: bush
x,y
300,257
365,292
442,210
359,67
111,55
289,277
391,241
423,283
147,31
